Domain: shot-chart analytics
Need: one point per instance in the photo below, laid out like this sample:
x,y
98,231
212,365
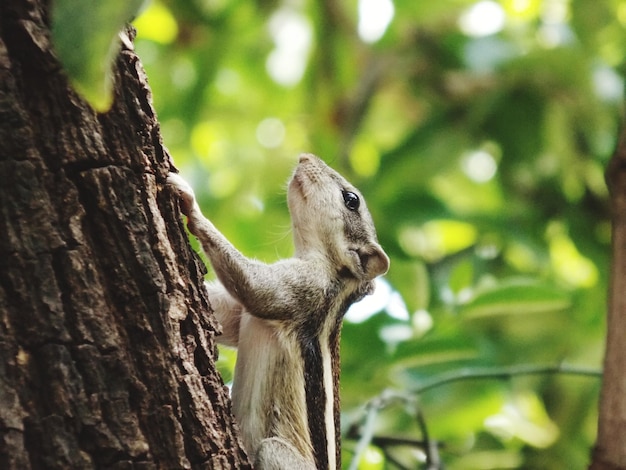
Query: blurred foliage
x,y
86,40
479,133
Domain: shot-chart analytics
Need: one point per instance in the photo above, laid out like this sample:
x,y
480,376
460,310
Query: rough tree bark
x,y
610,449
106,348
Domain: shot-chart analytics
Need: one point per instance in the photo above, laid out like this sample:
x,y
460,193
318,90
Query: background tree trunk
x,y
107,352
610,449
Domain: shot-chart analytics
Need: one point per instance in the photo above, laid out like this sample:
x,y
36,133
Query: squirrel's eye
x,y
351,200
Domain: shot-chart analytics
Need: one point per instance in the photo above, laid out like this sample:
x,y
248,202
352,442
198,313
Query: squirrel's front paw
x,y
184,190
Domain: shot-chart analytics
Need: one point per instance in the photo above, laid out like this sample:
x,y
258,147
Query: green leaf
x,y
516,298
85,35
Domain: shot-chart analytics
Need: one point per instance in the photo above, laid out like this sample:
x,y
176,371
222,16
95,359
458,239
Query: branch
x,y
393,441
504,372
609,452
433,462
431,447
373,407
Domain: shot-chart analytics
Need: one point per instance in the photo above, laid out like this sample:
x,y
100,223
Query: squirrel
x,y
285,318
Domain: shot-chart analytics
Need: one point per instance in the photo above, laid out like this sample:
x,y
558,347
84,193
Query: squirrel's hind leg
x,y
228,312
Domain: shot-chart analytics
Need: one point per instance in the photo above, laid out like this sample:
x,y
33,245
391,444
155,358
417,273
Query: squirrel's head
x,y
330,218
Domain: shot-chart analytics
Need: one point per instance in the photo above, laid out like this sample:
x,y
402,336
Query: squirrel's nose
x,y
307,158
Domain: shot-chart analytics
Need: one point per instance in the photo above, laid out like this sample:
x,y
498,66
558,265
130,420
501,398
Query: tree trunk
x,y
610,449
106,345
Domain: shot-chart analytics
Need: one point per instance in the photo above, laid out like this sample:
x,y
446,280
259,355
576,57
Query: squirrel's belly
x,y
269,387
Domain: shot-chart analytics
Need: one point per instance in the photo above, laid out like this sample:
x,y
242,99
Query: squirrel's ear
x,y
374,261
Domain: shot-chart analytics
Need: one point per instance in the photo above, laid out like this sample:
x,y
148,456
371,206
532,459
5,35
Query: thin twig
x,y
367,434
430,447
409,398
393,441
505,372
